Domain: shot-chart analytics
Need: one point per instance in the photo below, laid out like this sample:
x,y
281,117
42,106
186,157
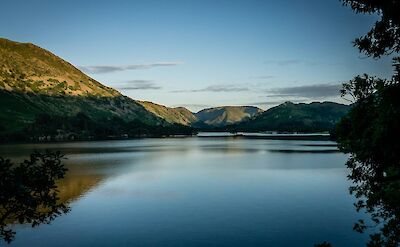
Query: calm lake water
x,y
198,192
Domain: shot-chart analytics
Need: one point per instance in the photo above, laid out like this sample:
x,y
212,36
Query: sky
x,y
201,54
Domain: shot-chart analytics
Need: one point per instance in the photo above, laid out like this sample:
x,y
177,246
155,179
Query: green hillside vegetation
x,y
226,115
290,117
19,109
81,127
178,115
26,67
34,82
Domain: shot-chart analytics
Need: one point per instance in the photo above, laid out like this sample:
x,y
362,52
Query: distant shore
x,y
294,136
205,135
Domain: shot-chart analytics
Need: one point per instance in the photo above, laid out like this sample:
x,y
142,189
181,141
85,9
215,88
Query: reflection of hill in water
x,y
79,180
88,165
75,186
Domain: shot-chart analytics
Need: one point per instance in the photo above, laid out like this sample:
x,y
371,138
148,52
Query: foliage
x,y
81,127
384,37
370,132
28,192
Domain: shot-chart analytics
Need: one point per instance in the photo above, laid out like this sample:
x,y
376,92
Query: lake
x,y
198,192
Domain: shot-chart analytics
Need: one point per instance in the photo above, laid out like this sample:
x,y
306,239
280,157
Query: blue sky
x,y
203,53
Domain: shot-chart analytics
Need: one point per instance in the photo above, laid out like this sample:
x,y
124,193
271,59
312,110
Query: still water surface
x,y
198,192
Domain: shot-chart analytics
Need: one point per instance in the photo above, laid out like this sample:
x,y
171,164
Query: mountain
x,y
42,95
226,115
290,117
34,82
204,119
178,115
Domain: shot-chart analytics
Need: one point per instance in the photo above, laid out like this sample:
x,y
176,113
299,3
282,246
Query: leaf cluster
x,y
384,37
28,191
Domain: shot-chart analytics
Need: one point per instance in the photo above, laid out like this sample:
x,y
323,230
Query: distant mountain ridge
x,y
179,115
290,117
206,118
226,115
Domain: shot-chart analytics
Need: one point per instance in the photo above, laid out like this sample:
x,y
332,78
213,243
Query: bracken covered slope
x,y
34,81
26,67
179,115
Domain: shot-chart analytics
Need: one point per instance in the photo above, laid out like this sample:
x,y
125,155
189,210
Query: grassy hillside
x,y
226,115
292,117
34,82
26,67
178,115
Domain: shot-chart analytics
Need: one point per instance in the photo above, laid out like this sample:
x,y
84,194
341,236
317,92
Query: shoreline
x,y
222,135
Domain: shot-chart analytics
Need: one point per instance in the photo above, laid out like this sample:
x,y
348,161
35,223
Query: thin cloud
x,y
263,77
288,62
100,69
193,106
269,104
261,103
139,85
307,91
216,88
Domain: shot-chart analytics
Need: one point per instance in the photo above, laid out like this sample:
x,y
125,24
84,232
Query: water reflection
x,y
378,194
198,192
74,186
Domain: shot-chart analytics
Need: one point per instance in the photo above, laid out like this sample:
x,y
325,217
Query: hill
x,y
34,82
290,117
226,115
26,67
178,115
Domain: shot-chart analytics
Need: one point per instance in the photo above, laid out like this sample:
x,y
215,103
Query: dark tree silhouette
x,y
28,191
81,127
384,37
371,133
